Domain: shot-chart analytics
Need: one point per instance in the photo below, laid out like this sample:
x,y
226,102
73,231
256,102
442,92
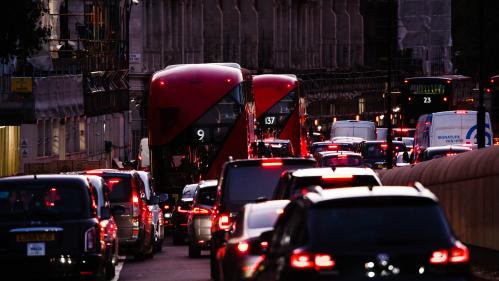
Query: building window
x,y
362,106
44,128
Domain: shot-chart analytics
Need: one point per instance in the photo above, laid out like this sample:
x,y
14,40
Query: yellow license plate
x,y
33,237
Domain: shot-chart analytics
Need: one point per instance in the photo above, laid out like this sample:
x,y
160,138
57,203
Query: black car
x,y
180,215
364,233
436,152
241,182
49,227
374,153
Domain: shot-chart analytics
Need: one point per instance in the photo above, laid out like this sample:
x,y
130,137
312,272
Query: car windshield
x,y
342,161
377,223
207,196
262,218
120,187
247,183
43,201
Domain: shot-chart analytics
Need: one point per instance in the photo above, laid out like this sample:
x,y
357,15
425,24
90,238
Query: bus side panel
x,y
291,131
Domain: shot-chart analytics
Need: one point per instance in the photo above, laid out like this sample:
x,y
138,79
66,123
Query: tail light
x,y
135,215
91,240
304,260
224,222
337,177
332,147
200,211
242,247
457,254
272,164
182,210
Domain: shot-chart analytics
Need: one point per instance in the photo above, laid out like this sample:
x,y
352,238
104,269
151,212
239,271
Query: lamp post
x,y
481,108
388,94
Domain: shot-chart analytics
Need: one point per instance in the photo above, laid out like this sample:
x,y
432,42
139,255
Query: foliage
x,y
21,31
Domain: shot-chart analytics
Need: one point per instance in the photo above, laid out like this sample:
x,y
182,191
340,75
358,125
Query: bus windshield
x,y
274,120
427,89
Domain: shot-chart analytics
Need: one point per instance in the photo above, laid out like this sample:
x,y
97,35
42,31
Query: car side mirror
x,y
117,210
105,213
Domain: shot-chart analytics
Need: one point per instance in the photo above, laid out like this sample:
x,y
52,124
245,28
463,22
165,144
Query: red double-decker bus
x,y
199,116
281,109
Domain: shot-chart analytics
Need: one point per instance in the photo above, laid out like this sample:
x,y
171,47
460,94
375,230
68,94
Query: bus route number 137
x,y
270,120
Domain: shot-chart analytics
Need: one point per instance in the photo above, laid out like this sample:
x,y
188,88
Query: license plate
x,y
35,237
36,249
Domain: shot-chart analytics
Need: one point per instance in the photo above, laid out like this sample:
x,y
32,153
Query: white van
x,y
354,128
144,161
449,128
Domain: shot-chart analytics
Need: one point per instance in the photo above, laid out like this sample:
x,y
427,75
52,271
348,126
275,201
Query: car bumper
x,y
58,266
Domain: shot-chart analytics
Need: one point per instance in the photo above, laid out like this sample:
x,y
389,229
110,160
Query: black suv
x,y
241,182
49,228
374,153
364,233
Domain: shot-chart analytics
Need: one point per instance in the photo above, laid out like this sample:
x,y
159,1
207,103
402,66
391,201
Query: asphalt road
x,y
171,264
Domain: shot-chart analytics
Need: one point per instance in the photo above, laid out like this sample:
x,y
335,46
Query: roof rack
x,y
418,186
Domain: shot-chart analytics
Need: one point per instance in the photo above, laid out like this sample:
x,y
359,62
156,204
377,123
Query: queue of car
x,y
75,225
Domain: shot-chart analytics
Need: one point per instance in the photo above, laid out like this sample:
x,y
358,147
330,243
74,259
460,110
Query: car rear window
x,y
32,201
245,184
342,161
377,223
262,218
207,196
361,180
378,150
120,187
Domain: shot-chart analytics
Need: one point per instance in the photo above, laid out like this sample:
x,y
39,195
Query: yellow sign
x,y
22,84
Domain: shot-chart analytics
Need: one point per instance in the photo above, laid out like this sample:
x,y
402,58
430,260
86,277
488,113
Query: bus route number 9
x,y
201,135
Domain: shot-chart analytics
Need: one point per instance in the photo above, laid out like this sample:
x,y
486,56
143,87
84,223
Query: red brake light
x,y
459,253
492,81
439,257
445,99
384,146
332,147
135,199
242,247
162,83
337,177
449,81
272,164
406,81
200,211
94,172
182,211
264,244
342,156
140,157
224,222
228,80
166,207
488,90
301,261
461,112
289,85
450,154
409,98
323,261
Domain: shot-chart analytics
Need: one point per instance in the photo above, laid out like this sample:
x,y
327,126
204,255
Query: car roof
x,y
207,183
374,191
341,152
383,141
448,147
318,172
322,142
258,161
347,139
44,178
109,171
266,205
274,141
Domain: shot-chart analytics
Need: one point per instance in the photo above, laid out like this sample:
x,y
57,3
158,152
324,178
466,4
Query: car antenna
x,y
34,176
370,187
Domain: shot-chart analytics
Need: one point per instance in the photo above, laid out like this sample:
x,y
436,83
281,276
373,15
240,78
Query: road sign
x,y
24,143
21,84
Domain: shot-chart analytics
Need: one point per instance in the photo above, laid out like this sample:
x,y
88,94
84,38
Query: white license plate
x,y
36,249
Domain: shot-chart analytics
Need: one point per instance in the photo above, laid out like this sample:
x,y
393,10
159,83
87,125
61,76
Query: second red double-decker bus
x,y
199,116
281,109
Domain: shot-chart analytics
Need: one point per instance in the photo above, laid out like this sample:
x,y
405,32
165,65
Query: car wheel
x,y
110,270
177,238
194,252
213,265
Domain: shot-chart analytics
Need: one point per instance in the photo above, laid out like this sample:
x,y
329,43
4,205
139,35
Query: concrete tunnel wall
x,y
467,186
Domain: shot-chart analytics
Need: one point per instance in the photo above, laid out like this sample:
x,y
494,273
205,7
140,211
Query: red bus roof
x,y
271,88
179,95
